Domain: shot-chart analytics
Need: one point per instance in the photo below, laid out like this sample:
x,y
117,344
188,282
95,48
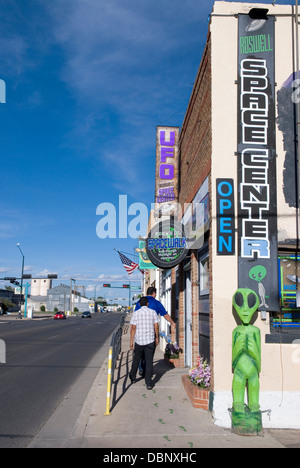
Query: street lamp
x,y
71,295
18,245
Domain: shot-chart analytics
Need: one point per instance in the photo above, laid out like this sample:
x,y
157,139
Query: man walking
x,y
156,305
145,333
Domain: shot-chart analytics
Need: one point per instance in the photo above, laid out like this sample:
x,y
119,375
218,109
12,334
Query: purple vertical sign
x,y
167,163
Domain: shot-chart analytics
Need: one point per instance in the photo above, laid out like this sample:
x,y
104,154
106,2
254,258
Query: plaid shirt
x,y
144,320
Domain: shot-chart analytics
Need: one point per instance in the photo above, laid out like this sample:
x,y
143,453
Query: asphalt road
x,y
44,358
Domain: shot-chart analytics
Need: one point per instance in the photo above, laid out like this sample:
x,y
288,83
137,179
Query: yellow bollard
x,y
109,379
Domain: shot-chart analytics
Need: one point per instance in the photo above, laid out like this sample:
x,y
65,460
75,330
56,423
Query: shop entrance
x,y
188,318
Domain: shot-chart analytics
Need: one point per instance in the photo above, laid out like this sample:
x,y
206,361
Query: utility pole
x,y
71,295
21,291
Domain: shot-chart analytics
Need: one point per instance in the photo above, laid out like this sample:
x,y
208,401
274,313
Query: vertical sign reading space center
x,y
257,226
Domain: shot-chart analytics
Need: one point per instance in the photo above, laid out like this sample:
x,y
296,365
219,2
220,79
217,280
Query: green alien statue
x,y
246,364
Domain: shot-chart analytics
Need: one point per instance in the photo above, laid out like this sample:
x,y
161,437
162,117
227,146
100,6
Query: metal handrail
x,y
113,354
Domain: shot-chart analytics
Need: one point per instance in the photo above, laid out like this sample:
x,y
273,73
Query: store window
x,y
289,292
204,275
285,325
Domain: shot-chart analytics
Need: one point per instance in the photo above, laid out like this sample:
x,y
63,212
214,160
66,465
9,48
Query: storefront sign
x,y
144,262
166,244
167,160
257,227
225,217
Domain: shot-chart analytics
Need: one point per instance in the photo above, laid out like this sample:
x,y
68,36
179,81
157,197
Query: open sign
x,y
225,217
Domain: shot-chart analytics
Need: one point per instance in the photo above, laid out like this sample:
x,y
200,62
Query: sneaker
x,y
149,387
131,379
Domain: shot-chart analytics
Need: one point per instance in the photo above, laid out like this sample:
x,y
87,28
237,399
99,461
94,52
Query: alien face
x,y
245,302
258,273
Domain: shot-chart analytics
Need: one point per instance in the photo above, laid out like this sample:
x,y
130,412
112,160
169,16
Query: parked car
x,y
86,314
59,315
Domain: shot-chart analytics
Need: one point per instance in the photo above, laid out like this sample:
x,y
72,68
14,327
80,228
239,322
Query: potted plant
x,y
172,352
197,384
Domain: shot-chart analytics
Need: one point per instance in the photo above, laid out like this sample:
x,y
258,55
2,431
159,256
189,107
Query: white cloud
x,y
124,63
17,48
110,277
16,222
44,273
4,269
7,230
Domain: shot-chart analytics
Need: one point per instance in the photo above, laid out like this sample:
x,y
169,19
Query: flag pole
x,y
127,253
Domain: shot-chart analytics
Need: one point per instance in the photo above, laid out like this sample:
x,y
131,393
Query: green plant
x,y
172,351
6,304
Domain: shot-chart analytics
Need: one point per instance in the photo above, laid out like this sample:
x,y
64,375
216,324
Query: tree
x,y
6,304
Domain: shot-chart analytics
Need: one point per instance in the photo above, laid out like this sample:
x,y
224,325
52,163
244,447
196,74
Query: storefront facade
x,y
238,179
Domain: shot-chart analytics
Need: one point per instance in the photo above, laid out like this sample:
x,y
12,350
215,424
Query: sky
x,y
87,82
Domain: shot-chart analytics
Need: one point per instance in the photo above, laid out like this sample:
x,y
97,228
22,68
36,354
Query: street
x,y
44,358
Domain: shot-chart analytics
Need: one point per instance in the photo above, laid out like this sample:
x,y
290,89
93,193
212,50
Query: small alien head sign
x,y
258,273
245,302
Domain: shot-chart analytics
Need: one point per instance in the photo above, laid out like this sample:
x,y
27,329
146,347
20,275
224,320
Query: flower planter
x,y
198,396
174,362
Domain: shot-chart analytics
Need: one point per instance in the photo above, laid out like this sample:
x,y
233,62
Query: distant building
x,y
59,298
38,292
40,286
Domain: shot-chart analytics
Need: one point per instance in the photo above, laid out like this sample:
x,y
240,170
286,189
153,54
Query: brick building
x,y
195,167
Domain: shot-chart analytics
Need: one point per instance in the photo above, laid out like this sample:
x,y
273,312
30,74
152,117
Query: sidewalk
x,y
11,317
159,418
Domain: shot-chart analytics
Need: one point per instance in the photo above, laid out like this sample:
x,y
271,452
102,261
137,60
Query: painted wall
x,y
280,377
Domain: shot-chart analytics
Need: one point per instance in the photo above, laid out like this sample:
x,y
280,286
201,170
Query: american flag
x,y
129,265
